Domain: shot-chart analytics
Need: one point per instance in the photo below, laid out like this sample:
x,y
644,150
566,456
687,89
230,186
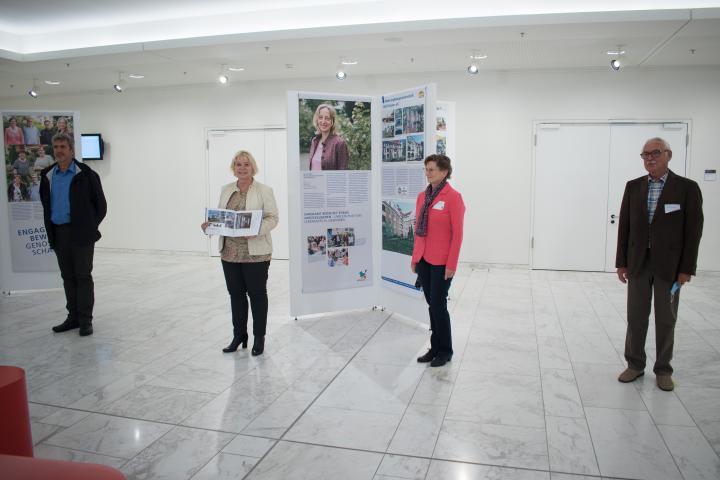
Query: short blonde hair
x,y
333,116
250,159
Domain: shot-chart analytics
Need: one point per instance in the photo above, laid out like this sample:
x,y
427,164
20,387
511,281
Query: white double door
x,y
580,176
269,148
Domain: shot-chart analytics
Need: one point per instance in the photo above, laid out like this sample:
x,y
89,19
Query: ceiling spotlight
x,y
340,74
136,76
223,76
34,92
615,63
472,69
118,87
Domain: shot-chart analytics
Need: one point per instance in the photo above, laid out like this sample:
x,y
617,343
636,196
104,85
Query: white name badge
x,y
439,205
672,207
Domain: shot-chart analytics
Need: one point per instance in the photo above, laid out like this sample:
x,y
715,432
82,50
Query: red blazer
x,y
441,245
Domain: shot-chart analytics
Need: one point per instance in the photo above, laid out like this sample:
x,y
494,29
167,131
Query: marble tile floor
x,y
531,392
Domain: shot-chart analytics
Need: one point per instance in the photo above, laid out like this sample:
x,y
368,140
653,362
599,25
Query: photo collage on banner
x,y
336,181
27,142
403,178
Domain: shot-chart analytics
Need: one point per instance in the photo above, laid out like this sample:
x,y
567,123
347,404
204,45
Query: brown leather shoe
x,y
665,382
630,375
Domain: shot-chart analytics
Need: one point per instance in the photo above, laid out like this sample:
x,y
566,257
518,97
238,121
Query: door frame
x,y
610,122
206,138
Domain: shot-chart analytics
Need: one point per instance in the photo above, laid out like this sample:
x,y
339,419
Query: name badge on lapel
x,y
672,207
439,205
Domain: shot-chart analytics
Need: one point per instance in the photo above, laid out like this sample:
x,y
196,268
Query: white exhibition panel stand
x,y
401,300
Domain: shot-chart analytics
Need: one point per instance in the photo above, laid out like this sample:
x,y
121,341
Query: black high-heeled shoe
x,y
258,346
236,342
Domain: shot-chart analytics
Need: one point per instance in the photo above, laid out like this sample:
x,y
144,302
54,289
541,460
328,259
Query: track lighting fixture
x,y
473,68
34,92
615,62
120,85
223,77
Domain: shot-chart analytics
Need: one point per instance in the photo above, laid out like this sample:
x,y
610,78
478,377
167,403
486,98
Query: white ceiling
x,y
174,42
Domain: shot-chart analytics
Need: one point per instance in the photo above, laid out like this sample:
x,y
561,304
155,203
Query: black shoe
x,y
258,346
440,360
65,326
86,330
236,342
428,357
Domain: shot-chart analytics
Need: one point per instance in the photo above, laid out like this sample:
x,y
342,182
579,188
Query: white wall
x,y
155,170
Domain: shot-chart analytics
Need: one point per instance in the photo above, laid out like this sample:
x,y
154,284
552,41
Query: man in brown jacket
x,y
659,234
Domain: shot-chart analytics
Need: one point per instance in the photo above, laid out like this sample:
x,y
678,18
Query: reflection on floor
x,y
531,392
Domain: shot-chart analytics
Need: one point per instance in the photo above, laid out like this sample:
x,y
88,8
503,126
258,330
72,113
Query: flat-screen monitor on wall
x,y
92,146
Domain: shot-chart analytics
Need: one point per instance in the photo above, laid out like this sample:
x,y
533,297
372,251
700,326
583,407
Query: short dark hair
x,y
442,162
64,137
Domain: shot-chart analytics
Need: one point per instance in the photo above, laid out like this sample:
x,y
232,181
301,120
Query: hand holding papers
x,y
233,223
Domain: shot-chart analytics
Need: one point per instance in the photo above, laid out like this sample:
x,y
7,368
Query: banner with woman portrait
x,y
27,148
330,185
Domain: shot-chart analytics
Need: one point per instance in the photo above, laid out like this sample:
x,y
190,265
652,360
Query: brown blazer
x,y
335,152
673,236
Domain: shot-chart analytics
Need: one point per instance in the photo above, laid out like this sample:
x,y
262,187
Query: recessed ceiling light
x,y
136,76
236,69
340,75
349,62
52,82
472,69
615,52
478,56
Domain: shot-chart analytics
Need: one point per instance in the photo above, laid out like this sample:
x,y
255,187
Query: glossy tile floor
x,y
531,392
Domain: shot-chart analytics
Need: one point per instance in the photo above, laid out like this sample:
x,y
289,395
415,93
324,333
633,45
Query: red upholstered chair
x,y
25,468
15,434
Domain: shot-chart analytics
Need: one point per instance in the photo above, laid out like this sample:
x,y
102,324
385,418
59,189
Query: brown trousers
x,y
641,289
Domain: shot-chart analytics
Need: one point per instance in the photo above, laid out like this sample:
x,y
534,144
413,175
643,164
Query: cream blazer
x,y
259,197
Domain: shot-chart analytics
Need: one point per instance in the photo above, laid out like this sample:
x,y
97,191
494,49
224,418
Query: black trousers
x,y
435,288
76,264
245,280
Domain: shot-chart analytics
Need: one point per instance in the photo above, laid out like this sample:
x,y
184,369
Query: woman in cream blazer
x,y
246,260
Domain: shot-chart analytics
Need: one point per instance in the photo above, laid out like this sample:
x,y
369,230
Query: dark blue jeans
x,y
435,288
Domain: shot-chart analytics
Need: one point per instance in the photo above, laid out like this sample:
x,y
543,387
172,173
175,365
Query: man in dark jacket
x,y
661,222
74,205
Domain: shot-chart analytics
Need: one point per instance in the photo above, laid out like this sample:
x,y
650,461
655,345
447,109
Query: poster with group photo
x,y
27,145
336,181
404,148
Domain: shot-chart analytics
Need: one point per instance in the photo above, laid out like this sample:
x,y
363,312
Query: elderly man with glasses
x,y
659,232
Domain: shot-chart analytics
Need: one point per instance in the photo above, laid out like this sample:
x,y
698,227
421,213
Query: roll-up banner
x,y
27,146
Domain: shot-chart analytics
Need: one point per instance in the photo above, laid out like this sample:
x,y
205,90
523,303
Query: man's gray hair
x,y
64,137
661,140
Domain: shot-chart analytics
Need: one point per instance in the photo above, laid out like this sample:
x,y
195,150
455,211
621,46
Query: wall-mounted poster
x,y
27,146
336,180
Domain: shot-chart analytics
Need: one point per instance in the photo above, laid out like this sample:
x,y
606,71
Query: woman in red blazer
x,y
438,235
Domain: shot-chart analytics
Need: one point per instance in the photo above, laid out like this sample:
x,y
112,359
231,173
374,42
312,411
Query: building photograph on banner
x,y
403,177
336,179
27,143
